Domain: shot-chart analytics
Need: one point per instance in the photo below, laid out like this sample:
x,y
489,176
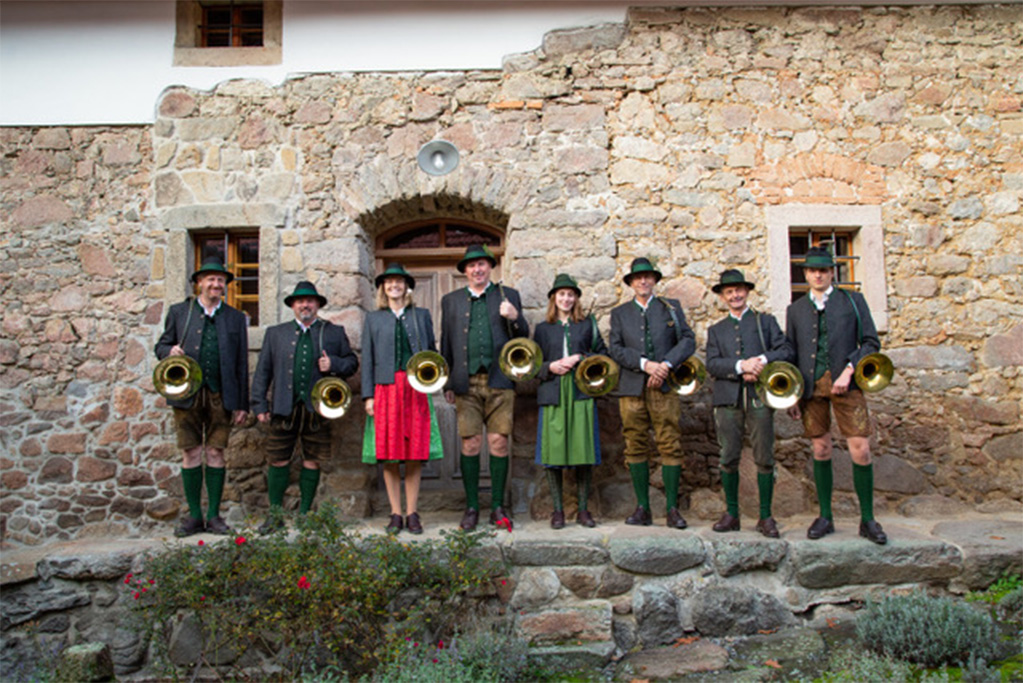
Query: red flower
x,y
202,598
127,580
503,582
202,542
128,577
504,523
152,581
434,660
136,595
440,645
303,583
239,540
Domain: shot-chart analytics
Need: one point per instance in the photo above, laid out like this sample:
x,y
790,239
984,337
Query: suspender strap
x,y
859,320
760,330
674,317
593,339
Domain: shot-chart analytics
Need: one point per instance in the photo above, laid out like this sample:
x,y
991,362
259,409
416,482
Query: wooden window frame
x,y
233,263
188,50
236,28
434,256
842,244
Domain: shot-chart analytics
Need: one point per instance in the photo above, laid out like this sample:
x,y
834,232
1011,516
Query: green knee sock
x,y
554,484
730,483
824,479
765,485
672,475
584,479
863,482
277,480
640,473
215,477
191,481
498,475
308,480
470,466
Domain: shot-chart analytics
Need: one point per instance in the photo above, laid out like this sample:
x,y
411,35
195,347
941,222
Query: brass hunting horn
x,y
427,372
597,375
780,385
874,372
520,359
177,377
331,397
687,378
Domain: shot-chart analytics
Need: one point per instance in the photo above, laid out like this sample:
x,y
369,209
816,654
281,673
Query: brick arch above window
x,y
819,178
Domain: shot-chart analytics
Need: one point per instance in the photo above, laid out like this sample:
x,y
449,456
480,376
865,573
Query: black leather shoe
x,y
768,527
820,528
189,526
585,519
217,525
676,520
498,517
395,525
270,526
727,523
470,519
558,519
641,517
872,531
413,524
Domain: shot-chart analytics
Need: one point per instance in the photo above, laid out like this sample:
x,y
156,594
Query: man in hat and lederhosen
x,y
295,355
475,324
831,330
650,336
216,336
738,349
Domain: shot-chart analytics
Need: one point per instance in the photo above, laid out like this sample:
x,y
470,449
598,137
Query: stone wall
x,y
665,137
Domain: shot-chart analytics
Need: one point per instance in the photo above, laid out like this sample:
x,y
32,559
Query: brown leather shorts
x,y
850,411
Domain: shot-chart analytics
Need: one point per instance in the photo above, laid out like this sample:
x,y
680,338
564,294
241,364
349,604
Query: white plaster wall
x,y
89,62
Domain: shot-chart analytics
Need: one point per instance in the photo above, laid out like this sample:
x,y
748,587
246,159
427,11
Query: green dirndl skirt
x,y
369,449
567,434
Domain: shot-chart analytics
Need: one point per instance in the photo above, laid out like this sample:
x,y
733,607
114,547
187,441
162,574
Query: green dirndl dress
x,y
567,434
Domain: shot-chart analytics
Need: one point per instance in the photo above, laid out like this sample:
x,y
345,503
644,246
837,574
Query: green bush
x,y
328,599
930,631
483,656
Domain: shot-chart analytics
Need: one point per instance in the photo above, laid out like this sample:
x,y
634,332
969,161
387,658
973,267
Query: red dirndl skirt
x,y
402,421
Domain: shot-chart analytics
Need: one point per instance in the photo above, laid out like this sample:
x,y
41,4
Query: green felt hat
x,y
732,276
818,257
305,288
212,265
396,270
476,251
564,281
641,265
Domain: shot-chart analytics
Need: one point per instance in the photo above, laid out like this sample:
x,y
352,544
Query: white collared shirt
x,y
824,299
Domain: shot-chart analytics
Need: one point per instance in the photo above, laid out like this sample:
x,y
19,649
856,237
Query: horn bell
x,y
177,378
687,378
780,385
520,359
874,372
427,372
331,397
597,375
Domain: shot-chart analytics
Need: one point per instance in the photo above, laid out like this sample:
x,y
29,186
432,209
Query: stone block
x,y
948,357
678,661
921,286
28,601
832,563
738,555
588,622
87,566
932,506
534,587
657,615
890,154
73,442
1004,350
56,471
794,651
1005,448
177,104
661,553
567,41
731,610
560,553
989,548
93,469
973,409
52,138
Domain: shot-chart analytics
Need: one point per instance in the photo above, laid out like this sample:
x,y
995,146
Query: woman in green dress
x,y
567,433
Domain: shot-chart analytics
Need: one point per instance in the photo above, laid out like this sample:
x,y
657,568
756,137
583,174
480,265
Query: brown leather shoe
x,y
500,518
872,531
189,526
395,525
413,524
820,528
558,519
641,517
584,518
768,527
217,525
727,523
676,520
470,519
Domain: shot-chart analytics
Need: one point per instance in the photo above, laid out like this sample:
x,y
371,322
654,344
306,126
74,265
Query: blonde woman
x,y
400,427
567,434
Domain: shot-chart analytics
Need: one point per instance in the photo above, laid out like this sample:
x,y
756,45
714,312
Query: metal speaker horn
x,y
439,157
780,385
331,397
520,359
687,378
427,372
597,375
874,372
177,377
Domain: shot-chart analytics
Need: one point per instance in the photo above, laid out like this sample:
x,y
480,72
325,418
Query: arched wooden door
x,y
430,251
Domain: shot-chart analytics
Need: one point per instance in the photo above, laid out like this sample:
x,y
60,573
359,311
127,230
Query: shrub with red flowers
x,y
325,599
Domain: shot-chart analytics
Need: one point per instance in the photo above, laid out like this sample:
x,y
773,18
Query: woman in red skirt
x,y
400,426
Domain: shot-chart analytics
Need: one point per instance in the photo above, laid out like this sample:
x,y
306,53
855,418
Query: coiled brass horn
x,y
597,375
331,397
177,377
520,359
427,372
874,372
687,378
780,385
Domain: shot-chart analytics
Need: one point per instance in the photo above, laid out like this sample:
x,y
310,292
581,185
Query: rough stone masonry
x,y
667,136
